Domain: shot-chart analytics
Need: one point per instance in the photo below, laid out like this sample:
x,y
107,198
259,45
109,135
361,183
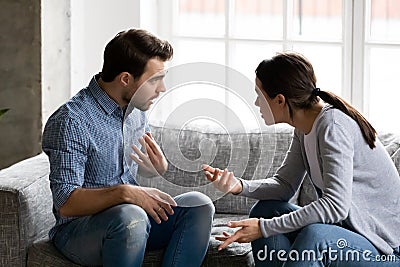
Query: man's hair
x,y
130,50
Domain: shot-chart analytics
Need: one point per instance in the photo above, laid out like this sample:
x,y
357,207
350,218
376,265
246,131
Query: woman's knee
x,y
271,208
318,232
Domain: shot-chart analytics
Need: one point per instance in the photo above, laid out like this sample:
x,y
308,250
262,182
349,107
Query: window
x,y
354,46
382,60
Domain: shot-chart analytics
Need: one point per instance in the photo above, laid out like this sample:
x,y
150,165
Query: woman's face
x,y
265,104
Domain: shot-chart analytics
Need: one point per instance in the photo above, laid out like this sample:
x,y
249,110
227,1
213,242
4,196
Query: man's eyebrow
x,y
156,77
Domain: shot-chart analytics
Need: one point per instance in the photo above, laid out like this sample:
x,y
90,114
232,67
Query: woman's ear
x,y
280,99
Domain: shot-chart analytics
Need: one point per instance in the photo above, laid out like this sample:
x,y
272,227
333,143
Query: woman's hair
x,y
130,50
292,75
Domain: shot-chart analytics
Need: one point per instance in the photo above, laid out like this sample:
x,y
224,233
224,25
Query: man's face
x,y
148,86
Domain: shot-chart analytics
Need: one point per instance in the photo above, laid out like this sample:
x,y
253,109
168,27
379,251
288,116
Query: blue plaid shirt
x,y
85,144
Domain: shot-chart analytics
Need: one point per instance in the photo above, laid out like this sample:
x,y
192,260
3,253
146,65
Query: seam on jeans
x,y
179,241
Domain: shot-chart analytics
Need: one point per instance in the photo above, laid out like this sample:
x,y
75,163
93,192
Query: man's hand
x,y
88,201
151,161
224,180
155,202
250,230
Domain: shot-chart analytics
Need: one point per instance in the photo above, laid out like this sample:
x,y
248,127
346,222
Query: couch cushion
x,y
44,254
25,208
250,155
235,254
391,141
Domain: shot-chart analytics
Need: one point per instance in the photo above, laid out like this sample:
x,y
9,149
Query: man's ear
x,y
124,78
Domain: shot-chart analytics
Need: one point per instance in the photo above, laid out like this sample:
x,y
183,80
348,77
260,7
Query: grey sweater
x,y
361,186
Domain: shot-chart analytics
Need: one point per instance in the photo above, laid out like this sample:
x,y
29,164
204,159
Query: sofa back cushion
x,y
391,141
251,155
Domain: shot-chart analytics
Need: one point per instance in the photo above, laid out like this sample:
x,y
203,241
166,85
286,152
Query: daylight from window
x,y
362,68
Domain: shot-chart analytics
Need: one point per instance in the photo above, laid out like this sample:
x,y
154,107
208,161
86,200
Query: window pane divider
x,y
359,95
347,63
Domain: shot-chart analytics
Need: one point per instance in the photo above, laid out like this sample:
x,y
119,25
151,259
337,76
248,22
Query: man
x,y
103,217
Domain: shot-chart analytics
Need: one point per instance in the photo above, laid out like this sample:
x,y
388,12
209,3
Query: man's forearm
x,y
86,201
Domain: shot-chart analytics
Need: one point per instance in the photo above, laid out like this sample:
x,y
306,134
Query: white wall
x,y
93,24
74,34
55,55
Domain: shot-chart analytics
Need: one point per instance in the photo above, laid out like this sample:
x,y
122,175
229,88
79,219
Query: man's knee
x,y
129,219
196,200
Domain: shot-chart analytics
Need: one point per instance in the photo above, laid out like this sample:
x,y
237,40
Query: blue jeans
x,y
120,235
314,245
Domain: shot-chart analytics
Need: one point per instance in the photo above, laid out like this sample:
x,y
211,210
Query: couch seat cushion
x,y
43,254
235,254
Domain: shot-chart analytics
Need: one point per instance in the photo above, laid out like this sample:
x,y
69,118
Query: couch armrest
x,y
25,208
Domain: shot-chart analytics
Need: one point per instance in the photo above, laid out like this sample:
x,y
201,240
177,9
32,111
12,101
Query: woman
x,y
356,218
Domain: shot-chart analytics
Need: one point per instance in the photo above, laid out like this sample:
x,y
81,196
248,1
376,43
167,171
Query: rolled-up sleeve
x,y
65,143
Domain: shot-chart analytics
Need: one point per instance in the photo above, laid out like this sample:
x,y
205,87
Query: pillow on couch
x,y
391,142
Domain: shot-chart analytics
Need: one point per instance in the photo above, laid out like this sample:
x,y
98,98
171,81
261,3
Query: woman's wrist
x,y
238,188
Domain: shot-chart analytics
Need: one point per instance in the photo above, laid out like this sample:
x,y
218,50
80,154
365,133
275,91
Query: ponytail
x,y
368,132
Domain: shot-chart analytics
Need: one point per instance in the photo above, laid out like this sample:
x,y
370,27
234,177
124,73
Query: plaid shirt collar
x,y
106,103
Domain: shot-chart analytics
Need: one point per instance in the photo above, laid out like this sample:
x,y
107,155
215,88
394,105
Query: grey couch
x,y
26,203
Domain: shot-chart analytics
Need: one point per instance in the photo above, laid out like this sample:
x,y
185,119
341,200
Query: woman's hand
x,y
224,180
151,161
250,230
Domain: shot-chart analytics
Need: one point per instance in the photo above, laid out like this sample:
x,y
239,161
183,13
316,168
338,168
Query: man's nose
x,y
161,88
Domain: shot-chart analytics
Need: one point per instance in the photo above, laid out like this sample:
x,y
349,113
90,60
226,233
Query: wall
x,y
56,55
20,75
93,24
48,51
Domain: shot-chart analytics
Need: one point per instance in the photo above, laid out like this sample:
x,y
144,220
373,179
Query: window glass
x,y
241,33
186,51
200,18
180,104
316,19
384,91
327,64
260,19
384,20
246,56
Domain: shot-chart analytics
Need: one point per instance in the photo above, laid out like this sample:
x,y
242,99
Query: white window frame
x,y
355,47
167,11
